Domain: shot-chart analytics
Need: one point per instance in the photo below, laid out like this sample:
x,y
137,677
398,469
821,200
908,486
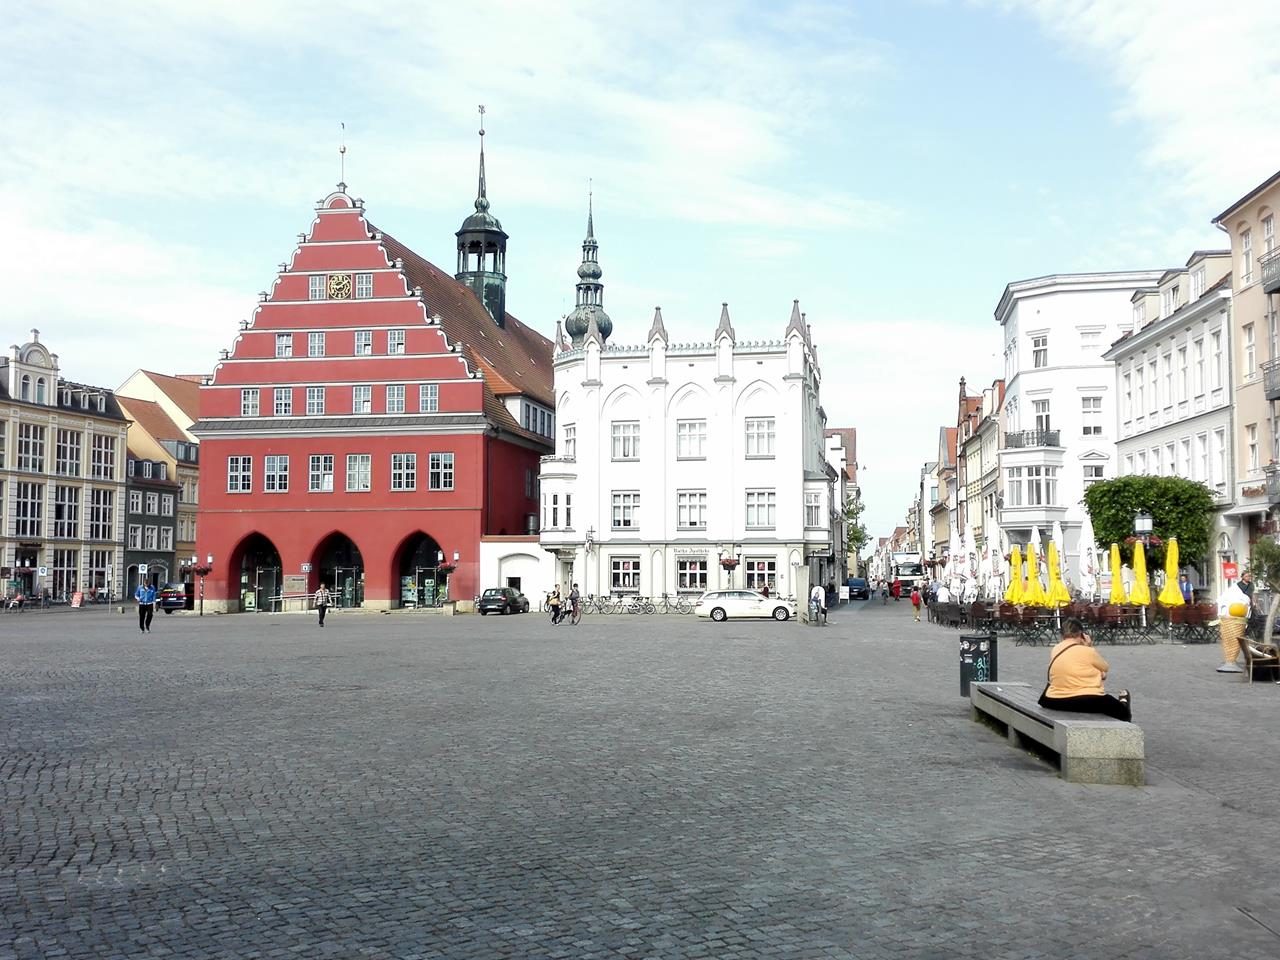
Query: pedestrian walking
x,y
915,602
575,604
146,597
818,604
322,602
553,602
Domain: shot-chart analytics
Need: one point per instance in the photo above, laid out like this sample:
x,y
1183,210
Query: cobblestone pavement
x,y
415,786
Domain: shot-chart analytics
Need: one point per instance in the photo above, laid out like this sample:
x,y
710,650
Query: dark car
x,y
502,600
859,589
172,597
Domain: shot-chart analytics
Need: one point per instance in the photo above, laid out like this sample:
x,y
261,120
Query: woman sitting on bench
x,y
1076,674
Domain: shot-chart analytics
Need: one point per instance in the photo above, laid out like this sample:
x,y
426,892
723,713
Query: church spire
x,y
482,249
589,300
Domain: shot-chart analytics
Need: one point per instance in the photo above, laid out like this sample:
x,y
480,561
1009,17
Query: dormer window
x,y
40,385
102,404
84,401
1171,300
24,391
146,469
66,398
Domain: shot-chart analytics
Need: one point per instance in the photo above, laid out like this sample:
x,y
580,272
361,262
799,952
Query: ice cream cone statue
x,y
1233,617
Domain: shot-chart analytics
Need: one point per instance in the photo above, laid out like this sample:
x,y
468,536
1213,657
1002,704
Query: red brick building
x,y
375,417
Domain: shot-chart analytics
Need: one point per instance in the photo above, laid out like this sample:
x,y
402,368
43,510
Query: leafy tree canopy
x,y
1179,508
857,531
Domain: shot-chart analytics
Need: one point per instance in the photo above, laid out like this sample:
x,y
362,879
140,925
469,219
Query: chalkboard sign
x,y
978,660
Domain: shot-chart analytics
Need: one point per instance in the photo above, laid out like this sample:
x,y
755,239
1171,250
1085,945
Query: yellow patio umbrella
x,y
1171,594
1117,582
1059,595
1141,594
1013,593
1034,597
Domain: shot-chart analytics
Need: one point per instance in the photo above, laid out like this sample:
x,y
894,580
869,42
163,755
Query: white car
x,y
720,605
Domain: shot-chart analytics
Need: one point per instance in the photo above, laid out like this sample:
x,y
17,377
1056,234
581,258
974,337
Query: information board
x,y
978,661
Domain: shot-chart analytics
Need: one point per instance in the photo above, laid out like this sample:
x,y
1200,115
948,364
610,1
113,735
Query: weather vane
x,y
342,154
482,119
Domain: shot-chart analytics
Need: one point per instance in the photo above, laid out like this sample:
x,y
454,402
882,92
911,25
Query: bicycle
x,y
679,605
637,604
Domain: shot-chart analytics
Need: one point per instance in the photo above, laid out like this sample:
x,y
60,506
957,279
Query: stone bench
x,y
1090,748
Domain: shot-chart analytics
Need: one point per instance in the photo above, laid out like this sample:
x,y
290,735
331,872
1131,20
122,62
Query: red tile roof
x,y
183,392
150,416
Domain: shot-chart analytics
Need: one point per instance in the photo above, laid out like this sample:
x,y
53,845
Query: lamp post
x,y
1142,526
203,572
587,548
729,559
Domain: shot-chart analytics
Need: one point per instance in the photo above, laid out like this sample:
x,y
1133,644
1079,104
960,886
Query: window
x,y
691,439
1170,460
625,574
1128,465
691,509
555,511
364,343
364,286
135,536
102,515
1220,457
1040,351
275,474
166,505
1041,486
30,447
1142,462
429,397
315,288
1251,444
395,341
1198,369
66,512
67,449
362,399
147,469
1273,334
150,537
1170,300
760,432
102,461
315,401
1184,458
571,441
626,440
761,572
1246,257
1268,233
1141,407
1091,416
24,391
761,508
1139,314
284,344
1041,408
320,473
66,573
359,472
166,538
249,403
440,471
395,398
1156,462
626,510
1168,379
691,576
153,504
284,401
568,510
1152,386
135,501
1215,358
1128,397
100,562
239,474
813,510
1182,374
1202,459
315,343
404,471
1092,474
28,509
1013,487
1250,351
1197,283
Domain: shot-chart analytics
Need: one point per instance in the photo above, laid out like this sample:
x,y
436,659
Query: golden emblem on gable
x,y
339,286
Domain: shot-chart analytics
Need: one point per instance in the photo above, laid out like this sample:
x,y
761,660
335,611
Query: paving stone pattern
x,y
421,787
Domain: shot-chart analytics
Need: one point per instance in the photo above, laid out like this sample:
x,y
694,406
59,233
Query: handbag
x,y
1047,678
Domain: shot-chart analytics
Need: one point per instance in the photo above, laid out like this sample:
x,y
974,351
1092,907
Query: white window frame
x,y
1040,351
691,509
761,509
404,471
1091,416
153,504
315,401
625,510
239,474
625,439
315,343
1250,350
316,287
571,441
1246,256
395,398
166,505
624,574
691,574
166,539
363,345
440,471
395,342
135,536
1251,446
429,398
320,473
364,286
813,510
282,402
362,399
275,473
135,501
761,437
250,402
284,345
691,439
359,473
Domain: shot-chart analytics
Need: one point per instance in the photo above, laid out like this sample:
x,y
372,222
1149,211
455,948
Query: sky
x,y
892,165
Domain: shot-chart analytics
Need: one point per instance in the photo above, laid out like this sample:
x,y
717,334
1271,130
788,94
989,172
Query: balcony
x,y
1273,482
1271,379
1269,264
1032,438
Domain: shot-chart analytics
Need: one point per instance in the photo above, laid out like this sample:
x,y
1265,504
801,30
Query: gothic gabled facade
x,y
371,422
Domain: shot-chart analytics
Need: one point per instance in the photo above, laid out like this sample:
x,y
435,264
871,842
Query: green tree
x,y
1179,508
857,531
1264,564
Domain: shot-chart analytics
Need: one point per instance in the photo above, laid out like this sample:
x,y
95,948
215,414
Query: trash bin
x,y
979,661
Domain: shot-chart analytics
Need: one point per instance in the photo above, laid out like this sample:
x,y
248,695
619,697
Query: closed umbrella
x,y
1171,595
1141,593
1088,553
1058,595
1014,592
1035,596
1117,583
1060,539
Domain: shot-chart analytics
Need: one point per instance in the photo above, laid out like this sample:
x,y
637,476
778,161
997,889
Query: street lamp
x,y
1142,526
203,572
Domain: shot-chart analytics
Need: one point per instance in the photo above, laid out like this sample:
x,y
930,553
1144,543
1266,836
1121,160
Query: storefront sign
x,y
1230,571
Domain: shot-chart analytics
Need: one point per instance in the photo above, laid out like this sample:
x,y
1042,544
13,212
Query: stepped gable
x,y
150,416
514,359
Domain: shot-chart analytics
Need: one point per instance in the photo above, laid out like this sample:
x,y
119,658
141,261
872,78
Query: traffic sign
x,y
44,571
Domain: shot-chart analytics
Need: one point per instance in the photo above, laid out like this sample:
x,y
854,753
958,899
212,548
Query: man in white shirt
x,y
818,603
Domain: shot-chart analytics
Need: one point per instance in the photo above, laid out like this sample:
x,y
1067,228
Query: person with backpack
x,y
915,602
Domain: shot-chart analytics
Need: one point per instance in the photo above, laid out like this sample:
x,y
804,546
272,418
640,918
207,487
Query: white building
x,y
1173,378
1060,405
673,457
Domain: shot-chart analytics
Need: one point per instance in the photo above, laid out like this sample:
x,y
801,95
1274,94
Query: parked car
x,y
721,605
859,589
172,597
502,600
